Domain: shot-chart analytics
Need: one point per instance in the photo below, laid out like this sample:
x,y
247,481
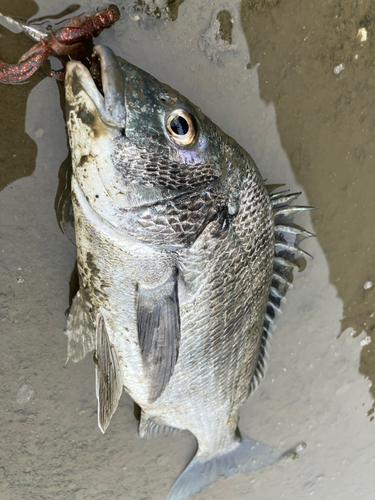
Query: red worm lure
x,y
68,40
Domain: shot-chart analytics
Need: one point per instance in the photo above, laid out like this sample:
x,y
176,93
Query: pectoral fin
x,y
109,382
158,318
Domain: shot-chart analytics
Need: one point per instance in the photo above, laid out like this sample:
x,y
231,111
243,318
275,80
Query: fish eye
x,y
181,128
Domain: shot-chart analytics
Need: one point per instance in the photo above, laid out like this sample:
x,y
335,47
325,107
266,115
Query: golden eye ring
x,y
181,127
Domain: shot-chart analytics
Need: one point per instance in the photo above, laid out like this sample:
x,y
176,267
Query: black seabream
x,y
183,260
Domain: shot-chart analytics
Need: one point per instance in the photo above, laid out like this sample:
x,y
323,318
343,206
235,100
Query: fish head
x,y
136,142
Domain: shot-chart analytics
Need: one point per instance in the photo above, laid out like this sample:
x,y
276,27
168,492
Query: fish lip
x,y
111,107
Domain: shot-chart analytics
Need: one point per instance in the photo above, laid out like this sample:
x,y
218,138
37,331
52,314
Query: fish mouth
x,y
104,85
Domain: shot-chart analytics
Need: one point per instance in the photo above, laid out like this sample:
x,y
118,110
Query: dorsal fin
x,y
287,239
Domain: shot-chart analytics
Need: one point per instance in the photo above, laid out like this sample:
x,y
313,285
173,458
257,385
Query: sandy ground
x,y
264,72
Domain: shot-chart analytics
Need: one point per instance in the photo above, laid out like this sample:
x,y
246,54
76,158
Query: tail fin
x,y
248,456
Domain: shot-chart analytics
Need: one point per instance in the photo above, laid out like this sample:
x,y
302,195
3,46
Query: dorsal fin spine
x,y
286,252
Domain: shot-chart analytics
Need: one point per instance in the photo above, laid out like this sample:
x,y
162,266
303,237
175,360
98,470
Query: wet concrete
x,y
327,129
306,127
17,157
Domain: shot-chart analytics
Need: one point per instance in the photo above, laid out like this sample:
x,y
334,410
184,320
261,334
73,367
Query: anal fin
x,y
109,384
80,329
149,429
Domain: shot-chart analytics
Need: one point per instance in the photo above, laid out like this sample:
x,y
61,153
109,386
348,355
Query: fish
x,y
183,258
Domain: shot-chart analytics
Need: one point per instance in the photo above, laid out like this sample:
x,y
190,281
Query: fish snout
x,y
104,85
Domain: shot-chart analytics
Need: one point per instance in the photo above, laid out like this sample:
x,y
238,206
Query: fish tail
x,y
247,456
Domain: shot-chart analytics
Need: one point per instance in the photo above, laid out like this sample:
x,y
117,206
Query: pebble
x,y
337,69
39,133
362,35
368,285
300,447
25,393
365,341
292,454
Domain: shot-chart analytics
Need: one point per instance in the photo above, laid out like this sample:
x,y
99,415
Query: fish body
x,y
175,240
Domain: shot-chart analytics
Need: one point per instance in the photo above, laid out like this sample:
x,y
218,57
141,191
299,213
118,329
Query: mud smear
x,y
226,25
172,7
17,149
319,75
157,9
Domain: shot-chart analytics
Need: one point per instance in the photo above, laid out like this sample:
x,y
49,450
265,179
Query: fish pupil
x,y
179,125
